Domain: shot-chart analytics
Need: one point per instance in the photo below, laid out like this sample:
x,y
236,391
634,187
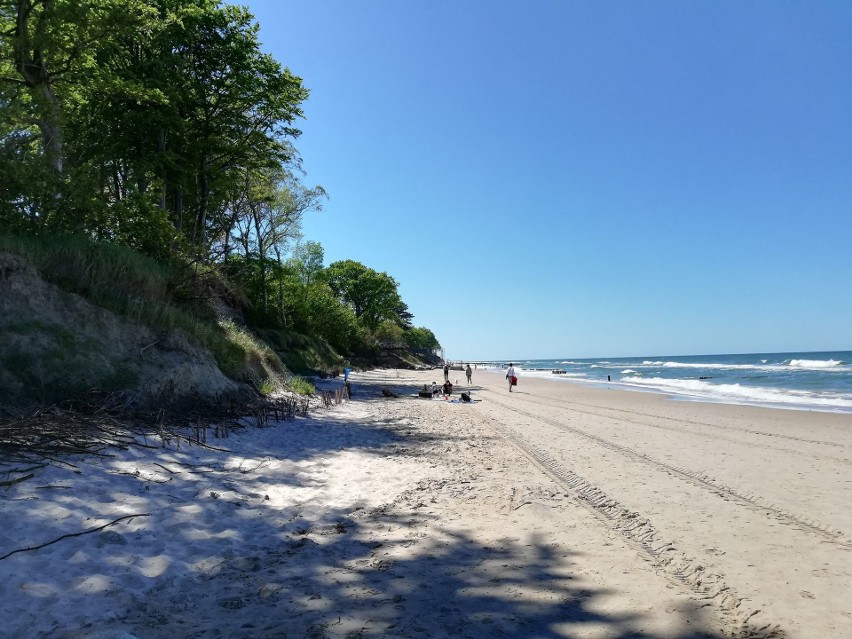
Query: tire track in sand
x,y
632,419
699,577
750,500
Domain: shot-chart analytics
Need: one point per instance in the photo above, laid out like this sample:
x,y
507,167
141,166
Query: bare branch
x,y
85,532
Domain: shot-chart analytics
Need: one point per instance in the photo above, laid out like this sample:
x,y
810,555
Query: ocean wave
x,y
746,394
815,363
830,365
627,371
547,373
744,367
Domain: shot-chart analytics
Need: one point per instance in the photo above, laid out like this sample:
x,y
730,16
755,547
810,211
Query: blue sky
x,y
557,178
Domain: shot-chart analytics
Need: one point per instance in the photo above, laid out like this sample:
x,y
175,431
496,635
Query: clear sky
x,y
557,178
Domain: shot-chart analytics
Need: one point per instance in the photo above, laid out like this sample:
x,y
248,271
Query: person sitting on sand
x,y
435,389
448,388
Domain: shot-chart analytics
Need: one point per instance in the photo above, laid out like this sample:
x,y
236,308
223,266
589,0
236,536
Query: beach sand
x,y
559,510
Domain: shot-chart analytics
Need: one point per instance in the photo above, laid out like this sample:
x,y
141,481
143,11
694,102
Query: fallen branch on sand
x,y
12,482
85,532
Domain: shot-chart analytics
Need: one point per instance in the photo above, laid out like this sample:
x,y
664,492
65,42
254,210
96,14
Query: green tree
x,y
267,217
333,321
423,339
308,258
44,41
389,333
403,316
373,296
128,106
263,224
47,61
237,103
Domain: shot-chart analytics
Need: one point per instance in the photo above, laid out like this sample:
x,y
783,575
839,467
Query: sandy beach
x,y
559,510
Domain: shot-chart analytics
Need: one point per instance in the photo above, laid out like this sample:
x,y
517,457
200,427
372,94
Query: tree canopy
x,y
165,107
372,296
162,126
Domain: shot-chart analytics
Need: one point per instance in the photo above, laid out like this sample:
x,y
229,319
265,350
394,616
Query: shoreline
x,y
605,389
672,394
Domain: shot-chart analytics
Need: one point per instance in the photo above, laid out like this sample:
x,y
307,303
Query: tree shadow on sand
x,y
331,578
246,570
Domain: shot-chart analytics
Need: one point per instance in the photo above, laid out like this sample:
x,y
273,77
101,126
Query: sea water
x,y
813,381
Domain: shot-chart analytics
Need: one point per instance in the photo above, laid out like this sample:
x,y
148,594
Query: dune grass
x,y
155,295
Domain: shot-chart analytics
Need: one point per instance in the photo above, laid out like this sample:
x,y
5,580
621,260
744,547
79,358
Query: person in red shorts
x,y
512,376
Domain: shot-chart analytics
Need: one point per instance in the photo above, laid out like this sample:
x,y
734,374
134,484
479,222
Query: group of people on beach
x,y
447,388
511,376
467,371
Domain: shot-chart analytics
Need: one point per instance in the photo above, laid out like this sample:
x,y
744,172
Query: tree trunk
x,y
203,197
161,149
142,175
31,66
51,130
178,210
281,317
261,254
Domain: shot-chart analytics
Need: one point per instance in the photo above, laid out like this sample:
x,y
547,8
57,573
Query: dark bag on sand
x,y
465,397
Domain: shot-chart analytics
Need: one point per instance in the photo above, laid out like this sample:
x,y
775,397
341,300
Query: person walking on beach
x,y
512,376
446,372
469,374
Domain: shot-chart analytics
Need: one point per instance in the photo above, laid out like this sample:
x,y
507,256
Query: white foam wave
x,y
814,363
800,364
627,371
746,394
547,373
695,365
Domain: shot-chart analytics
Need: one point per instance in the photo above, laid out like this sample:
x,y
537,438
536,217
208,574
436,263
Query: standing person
x,y
512,376
446,372
469,374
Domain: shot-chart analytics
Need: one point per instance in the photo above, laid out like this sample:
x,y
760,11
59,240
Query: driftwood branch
x,y
145,348
166,469
12,482
85,532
